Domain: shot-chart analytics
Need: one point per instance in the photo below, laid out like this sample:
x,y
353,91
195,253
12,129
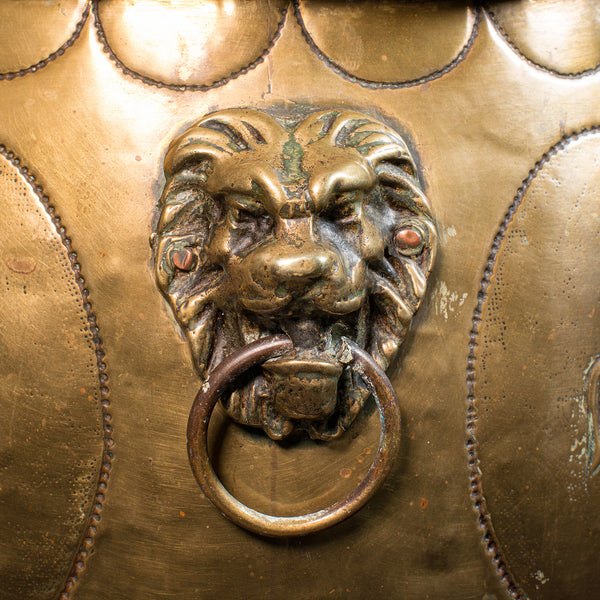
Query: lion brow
x,y
394,175
343,177
237,143
265,179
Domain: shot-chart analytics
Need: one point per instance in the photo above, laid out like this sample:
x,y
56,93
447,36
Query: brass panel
x,y
96,136
34,32
533,419
560,35
50,415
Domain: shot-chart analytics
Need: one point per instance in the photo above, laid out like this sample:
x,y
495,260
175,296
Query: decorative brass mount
x,y
218,381
312,225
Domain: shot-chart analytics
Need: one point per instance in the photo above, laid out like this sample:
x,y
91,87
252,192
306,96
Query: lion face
x,y
318,229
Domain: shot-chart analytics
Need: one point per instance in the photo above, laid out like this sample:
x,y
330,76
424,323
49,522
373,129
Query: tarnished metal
x,y
592,393
495,491
217,383
311,223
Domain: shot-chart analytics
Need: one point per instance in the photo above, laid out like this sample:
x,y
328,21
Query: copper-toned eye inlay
x,y
407,239
183,259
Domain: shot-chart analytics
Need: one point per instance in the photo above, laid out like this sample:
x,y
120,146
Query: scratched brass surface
x,y
94,133
31,31
182,41
565,41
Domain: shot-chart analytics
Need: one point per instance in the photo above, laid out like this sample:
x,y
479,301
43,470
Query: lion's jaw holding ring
x,y
318,229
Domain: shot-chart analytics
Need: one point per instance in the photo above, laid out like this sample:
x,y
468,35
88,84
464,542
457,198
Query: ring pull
x,y
217,383
308,221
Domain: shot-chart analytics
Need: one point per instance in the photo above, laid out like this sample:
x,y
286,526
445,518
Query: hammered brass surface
x,y
31,30
95,137
562,35
50,418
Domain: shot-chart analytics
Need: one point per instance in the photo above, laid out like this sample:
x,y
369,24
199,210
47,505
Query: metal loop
x,y
218,381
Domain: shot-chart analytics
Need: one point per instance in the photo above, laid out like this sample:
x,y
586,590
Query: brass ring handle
x,y
223,375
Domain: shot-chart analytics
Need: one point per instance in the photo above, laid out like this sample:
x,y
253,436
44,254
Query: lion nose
x,y
305,266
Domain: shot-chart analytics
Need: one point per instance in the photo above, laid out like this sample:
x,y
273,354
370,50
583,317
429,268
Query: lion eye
x,y
183,259
409,241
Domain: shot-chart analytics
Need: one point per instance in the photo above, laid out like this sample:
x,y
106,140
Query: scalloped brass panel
x,y
561,36
507,147
38,31
536,433
355,38
51,435
180,43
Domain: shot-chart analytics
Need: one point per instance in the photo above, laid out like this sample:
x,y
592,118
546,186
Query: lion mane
x,y
315,226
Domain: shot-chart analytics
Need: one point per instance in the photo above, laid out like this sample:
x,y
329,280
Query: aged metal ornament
x,y
197,433
311,225
495,490
592,392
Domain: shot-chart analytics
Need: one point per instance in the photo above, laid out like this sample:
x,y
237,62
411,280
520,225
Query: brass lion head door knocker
x,y
301,243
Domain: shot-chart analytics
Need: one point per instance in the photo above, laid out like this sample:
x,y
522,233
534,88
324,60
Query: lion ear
x,y
400,278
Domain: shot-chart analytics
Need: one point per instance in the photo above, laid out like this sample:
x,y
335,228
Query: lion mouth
x,y
292,365
304,381
304,384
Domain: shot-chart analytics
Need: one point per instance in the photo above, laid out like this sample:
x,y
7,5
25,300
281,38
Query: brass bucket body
x,y
495,493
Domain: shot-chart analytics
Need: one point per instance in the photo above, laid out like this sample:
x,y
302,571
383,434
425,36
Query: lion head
x,y
316,227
